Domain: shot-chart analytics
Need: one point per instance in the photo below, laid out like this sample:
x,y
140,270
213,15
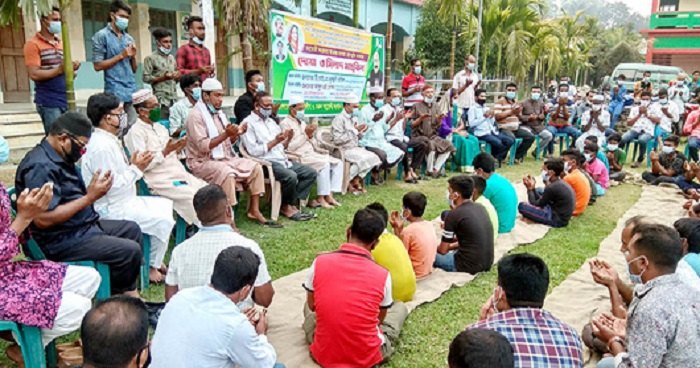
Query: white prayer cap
x,y
351,98
598,98
376,90
295,100
141,96
212,84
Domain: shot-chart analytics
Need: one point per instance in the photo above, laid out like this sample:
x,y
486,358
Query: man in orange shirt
x,y
419,236
576,179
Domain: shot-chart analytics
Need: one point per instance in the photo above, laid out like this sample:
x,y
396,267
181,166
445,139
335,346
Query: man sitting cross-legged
x,y
392,255
427,120
192,262
351,319
480,348
667,166
210,154
207,326
265,140
499,191
555,206
105,153
642,119
419,236
596,169
467,238
575,177
616,157
662,327
71,229
515,310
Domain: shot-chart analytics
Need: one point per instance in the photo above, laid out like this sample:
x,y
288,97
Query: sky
x,y
642,7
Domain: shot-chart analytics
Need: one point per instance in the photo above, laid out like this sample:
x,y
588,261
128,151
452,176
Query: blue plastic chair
x,y
29,340
513,148
180,223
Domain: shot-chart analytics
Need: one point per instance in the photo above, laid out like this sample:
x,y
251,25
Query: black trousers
x,y
421,148
382,156
404,147
296,181
119,247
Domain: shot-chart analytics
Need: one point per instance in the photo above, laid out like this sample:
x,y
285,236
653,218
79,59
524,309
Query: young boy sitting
x,y
419,236
600,155
616,157
596,168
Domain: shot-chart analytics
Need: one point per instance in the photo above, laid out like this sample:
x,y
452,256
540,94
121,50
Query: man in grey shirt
x,y
663,320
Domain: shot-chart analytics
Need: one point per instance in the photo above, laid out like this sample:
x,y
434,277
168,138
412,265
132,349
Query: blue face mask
x,y
417,70
260,87
4,150
212,109
121,23
378,104
428,100
471,66
396,101
355,112
55,27
265,112
300,115
510,95
197,40
545,176
636,279
536,96
449,200
197,93
164,50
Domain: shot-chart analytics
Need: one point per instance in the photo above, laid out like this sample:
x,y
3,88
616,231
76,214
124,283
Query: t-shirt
x,y
598,172
560,197
391,254
470,224
581,188
674,162
421,243
349,290
491,210
409,82
501,193
620,157
47,54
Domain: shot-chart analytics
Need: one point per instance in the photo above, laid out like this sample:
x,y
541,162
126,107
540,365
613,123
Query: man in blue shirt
x,y
482,120
617,102
114,52
70,229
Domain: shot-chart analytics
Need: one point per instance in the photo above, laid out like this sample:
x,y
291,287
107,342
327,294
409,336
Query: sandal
x,y
271,224
310,215
299,216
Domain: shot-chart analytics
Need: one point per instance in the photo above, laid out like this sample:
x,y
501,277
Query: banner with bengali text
x,y
322,62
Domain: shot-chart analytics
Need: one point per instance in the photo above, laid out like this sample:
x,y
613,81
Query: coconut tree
x,y
11,14
247,19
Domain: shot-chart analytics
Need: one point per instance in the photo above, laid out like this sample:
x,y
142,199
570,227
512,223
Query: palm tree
x,y
248,19
11,13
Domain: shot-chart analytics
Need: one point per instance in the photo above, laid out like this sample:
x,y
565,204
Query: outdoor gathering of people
x,y
147,186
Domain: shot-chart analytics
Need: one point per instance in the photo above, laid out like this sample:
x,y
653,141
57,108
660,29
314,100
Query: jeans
x,y
693,145
567,129
500,144
446,261
48,115
642,137
527,137
296,181
615,111
608,362
617,175
599,190
685,185
656,179
542,215
465,116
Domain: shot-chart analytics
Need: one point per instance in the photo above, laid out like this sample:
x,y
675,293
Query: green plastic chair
x,y
29,340
104,291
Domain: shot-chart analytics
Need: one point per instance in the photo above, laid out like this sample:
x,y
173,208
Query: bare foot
x,y
14,353
155,276
330,200
254,215
133,294
325,204
163,269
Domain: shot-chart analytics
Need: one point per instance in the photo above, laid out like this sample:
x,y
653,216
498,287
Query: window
x,y
95,17
668,5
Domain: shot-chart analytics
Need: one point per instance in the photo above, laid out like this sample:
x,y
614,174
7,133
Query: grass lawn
x,y
429,330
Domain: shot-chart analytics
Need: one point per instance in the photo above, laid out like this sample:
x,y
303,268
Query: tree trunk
x,y
314,8
356,13
389,38
499,57
454,46
484,56
68,60
537,72
246,52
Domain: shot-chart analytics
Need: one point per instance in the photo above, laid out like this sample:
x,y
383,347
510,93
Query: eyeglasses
x,y
148,357
77,141
117,115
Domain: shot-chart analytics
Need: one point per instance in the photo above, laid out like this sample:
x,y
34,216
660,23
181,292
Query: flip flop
x,y
271,224
299,216
310,215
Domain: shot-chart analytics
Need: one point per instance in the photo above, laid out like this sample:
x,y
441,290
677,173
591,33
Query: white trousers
x,y
330,179
436,164
158,249
79,286
355,171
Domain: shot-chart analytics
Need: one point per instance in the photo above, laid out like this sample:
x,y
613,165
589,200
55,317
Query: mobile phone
x,y
179,183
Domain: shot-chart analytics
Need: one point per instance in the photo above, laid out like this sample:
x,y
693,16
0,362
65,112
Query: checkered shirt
x,y
537,337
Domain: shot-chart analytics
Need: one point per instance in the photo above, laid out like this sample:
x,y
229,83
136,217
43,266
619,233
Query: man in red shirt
x,y
351,319
412,85
194,58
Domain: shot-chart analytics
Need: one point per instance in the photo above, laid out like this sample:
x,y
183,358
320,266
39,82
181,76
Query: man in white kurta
x,y
594,122
165,176
346,135
105,153
329,179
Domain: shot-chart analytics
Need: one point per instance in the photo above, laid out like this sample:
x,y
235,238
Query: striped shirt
x,y
512,122
47,54
412,81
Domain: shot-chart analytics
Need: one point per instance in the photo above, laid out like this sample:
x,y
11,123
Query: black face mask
x,y
76,152
481,101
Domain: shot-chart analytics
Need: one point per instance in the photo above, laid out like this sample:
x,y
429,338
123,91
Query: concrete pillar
x,y
237,78
74,17
138,29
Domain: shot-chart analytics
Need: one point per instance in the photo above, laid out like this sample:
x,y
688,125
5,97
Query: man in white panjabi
x,y
165,176
594,122
330,170
105,153
346,134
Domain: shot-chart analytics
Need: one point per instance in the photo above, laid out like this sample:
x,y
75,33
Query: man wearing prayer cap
x,y
70,229
105,152
346,133
594,122
210,154
374,139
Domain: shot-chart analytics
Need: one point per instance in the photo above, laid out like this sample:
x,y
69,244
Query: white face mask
x,y
644,103
612,147
667,149
449,200
545,175
566,166
596,107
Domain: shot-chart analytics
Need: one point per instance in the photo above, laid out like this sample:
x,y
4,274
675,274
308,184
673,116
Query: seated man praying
x,y
419,235
555,206
643,120
374,138
265,140
478,197
499,191
594,122
667,166
105,154
467,238
426,123
191,86
596,169
616,157
482,121
576,178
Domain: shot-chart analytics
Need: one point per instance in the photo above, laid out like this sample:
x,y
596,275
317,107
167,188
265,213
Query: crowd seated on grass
x,y
77,199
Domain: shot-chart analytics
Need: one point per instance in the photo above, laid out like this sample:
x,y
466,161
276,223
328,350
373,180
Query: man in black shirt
x,y
556,205
470,224
245,105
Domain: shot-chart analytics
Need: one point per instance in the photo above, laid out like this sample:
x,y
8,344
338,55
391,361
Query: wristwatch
x,y
615,339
